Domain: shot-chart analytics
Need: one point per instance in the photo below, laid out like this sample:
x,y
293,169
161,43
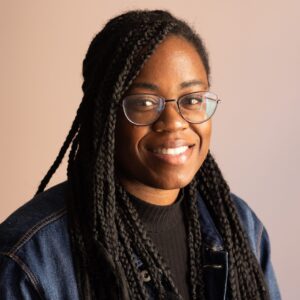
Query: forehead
x,y
175,60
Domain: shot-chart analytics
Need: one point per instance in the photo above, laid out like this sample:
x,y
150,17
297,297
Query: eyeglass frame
x,y
177,105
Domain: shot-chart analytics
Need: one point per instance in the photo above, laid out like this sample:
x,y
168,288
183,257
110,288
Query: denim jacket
x,y
36,260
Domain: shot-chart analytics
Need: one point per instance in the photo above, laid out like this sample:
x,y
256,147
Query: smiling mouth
x,y
175,155
171,151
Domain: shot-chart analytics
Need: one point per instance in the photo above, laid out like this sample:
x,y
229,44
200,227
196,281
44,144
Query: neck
x,y
150,194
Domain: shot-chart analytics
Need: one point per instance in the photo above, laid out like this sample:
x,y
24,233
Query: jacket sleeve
x,y
266,265
15,284
259,243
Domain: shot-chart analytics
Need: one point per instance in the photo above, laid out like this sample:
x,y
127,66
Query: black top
x,y
167,229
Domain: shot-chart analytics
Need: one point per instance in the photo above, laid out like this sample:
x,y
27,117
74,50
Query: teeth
x,y
171,151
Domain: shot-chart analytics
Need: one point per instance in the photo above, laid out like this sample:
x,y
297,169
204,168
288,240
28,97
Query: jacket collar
x,y
211,236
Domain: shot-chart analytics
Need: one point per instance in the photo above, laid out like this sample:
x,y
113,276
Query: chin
x,y
169,183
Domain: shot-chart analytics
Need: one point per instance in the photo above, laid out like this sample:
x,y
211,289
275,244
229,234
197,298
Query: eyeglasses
x,y
145,109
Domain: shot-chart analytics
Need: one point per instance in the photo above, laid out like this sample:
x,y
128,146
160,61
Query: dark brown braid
x,y
245,276
106,232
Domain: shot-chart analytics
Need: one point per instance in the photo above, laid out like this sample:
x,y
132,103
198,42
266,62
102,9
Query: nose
x,y
170,119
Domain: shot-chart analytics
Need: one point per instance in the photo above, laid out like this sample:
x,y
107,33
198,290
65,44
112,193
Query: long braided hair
x,y
106,233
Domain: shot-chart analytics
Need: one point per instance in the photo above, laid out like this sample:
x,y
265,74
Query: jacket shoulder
x,y
259,242
26,221
251,223
35,254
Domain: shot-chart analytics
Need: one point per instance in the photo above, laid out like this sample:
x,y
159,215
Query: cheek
x,y
204,133
128,138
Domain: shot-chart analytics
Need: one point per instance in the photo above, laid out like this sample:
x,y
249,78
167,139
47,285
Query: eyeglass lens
x,y
145,109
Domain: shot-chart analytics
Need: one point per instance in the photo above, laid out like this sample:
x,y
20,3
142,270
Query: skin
x,y
173,70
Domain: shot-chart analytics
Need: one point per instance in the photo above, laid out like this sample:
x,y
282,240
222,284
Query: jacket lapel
x,y
215,266
215,258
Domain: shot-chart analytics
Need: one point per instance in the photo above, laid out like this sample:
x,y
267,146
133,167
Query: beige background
x,y
255,56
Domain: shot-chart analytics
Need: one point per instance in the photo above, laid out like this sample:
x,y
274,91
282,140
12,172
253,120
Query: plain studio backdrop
x,y
254,49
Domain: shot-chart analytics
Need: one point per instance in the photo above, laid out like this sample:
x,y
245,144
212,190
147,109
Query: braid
x,y
245,276
59,157
105,229
147,250
195,245
72,133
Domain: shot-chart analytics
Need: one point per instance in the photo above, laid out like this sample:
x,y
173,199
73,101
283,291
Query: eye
x,y
144,102
191,102
141,102
194,101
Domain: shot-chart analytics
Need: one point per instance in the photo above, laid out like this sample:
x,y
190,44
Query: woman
x,y
145,212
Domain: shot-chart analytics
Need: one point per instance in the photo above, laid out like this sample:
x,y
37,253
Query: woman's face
x,y
146,155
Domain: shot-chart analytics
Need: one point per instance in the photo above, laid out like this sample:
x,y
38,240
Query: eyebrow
x,y
189,83
146,85
154,87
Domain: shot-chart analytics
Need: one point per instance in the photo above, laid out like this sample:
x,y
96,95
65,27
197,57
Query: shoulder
x,y
35,249
259,242
251,223
33,216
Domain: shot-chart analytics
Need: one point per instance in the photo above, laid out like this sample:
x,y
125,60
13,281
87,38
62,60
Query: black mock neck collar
x,y
158,218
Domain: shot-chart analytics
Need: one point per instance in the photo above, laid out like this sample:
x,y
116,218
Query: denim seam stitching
x,y
35,228
26,270
259,239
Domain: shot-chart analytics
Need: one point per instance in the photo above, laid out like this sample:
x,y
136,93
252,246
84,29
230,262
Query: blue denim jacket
x,y
36,260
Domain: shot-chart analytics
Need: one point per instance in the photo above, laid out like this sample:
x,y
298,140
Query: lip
x,y
172,159
171,144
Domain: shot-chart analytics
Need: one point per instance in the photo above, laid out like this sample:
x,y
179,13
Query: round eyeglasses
x,y
145,109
